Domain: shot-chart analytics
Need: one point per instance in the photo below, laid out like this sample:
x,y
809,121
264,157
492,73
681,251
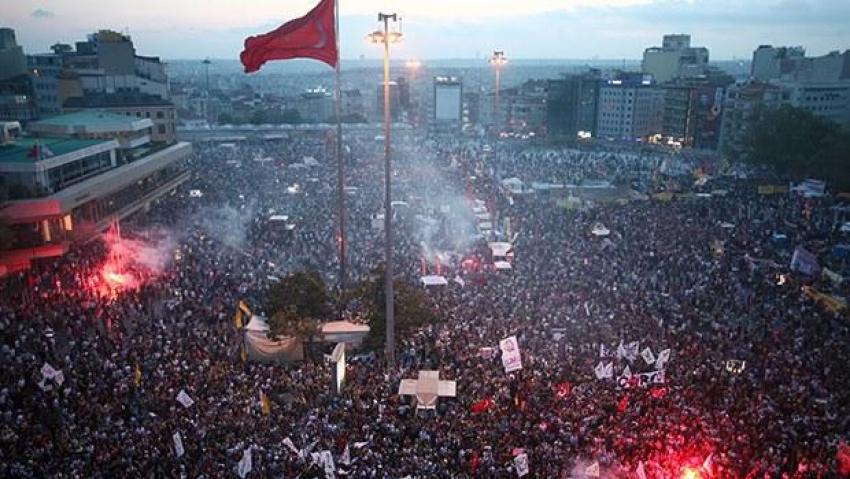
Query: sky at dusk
x,y
568,29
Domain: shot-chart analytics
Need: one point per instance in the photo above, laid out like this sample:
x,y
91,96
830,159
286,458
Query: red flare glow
x,y
691,473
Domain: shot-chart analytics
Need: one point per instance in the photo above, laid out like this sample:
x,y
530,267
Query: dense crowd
x,y
572,299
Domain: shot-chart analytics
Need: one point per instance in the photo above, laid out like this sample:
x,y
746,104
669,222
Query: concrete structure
x,y
572,104
630,107
13,63
675,58
81,172
353,104
139,105
742,105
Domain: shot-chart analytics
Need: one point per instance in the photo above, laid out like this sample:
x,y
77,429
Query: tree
x,y
796,142
291,116
299,301
411,307
289,323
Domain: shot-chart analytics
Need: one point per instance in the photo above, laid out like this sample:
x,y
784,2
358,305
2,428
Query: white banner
x,y
521,464
184,399
592,470
178,444
326,462
291,445
511,359
346,456
245,464
642,380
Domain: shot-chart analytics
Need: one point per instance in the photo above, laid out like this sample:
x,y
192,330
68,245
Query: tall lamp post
x,y
386,37
498,60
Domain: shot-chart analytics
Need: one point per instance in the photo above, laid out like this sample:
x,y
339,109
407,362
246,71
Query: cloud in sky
x,y
453,28
42,13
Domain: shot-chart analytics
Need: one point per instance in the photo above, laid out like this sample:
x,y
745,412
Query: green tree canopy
x,y
297,302
796,142
411,307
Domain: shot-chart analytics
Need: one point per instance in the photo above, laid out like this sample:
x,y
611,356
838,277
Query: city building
x,y
572,104
742,105
75,174
17,99
161,112
353,105
772,62
471,110
45,71
818,84
13,62
399,99
674,58
316,105
448,103
630,107
693,108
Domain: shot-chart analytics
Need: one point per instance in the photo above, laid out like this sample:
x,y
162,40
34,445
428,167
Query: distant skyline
x,y
545,29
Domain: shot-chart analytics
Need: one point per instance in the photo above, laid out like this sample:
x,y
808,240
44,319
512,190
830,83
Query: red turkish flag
x,y
843,456
311,36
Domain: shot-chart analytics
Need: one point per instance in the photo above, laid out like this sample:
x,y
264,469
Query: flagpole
x,y
340,170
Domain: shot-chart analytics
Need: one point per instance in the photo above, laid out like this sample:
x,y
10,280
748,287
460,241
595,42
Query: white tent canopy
x,y
502,265
434,280
500,249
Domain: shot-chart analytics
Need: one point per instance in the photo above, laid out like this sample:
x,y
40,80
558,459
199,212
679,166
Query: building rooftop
x,y
89,122
113,100
21,151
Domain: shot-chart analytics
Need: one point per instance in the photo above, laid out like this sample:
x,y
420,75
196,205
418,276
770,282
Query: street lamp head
x,y
376,37
395,37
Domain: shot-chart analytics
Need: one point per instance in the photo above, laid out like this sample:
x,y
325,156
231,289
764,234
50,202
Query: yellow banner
x,y
772,189
244,307
830,302
237,319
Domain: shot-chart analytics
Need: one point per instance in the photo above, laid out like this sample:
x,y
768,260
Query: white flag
x,y
600,370
592,470
48,371
586,309
245,464
178,444
460,281
641,472
632,350
290,445
627,373
511,359
326,460
621,351
602,351
662,359
184,399
647,355
358,445
706,465
609,370
521,464
346,456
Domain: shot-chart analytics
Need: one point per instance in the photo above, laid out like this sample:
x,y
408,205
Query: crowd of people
x,y
573,299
